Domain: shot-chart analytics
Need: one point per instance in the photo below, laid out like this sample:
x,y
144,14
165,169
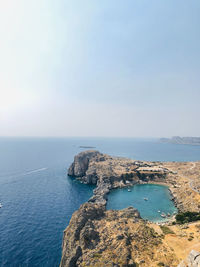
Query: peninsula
x,y
99,237
195,141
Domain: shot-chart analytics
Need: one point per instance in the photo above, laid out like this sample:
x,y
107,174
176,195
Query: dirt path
x,y
190,181
193,165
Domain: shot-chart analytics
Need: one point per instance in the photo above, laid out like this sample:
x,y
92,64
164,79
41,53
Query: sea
x,y
153,201
38,198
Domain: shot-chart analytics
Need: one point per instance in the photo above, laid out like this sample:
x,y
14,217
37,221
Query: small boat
x,y
168,214
129,190
145,198
163,215
159,211
1,205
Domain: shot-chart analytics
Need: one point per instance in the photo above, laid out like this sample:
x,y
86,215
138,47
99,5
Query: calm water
x,y
158,200
38,198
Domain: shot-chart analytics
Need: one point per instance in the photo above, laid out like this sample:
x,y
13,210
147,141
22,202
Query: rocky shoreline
x,y
93,167
88,238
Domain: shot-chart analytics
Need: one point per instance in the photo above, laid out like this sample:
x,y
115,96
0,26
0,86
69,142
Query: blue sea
x,y
39,198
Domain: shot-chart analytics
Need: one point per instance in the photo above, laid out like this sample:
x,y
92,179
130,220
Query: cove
x,y
148,199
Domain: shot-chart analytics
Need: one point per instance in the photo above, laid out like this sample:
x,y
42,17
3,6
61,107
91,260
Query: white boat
x,y
1,205
145,198
159,211
163,215
129,190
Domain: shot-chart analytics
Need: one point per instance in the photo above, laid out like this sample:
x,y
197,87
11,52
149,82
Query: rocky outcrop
x,y
193,260
81,161
82,238
100,193
93,167
80,233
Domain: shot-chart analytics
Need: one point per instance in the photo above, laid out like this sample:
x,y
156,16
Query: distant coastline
x,y
88,147
195,141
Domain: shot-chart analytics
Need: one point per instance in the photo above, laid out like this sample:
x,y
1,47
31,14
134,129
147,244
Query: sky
x,y
107,68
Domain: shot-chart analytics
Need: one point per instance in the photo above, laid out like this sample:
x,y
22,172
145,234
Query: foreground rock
x,y
193,260
87,236
97,237
80,233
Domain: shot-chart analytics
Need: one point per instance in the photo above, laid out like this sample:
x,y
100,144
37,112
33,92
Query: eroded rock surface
x,y
193,260
85,238
80,233
81,161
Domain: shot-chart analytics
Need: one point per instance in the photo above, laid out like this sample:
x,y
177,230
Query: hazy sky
x,y
99,68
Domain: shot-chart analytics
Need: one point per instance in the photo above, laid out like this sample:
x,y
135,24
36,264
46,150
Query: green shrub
x,y
186,217
166,230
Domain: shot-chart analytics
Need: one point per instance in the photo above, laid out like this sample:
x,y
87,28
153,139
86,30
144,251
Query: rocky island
x,y
99,237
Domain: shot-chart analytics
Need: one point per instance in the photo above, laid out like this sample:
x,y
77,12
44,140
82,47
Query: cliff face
x,y
80,234
92,167
86,239
80,165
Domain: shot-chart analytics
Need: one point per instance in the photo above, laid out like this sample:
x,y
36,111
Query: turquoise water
x,y
158,200
39,198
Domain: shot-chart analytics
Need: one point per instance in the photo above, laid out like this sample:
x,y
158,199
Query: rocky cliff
x,y
85,240
97,237
81,164
81,233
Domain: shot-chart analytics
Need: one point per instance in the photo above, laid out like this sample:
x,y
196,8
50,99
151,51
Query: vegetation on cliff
x,y
186,217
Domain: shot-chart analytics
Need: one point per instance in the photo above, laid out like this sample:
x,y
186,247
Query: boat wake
x,y
34,171
26,173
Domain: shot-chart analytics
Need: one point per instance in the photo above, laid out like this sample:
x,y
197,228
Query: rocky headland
x,y
99,237
182,140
